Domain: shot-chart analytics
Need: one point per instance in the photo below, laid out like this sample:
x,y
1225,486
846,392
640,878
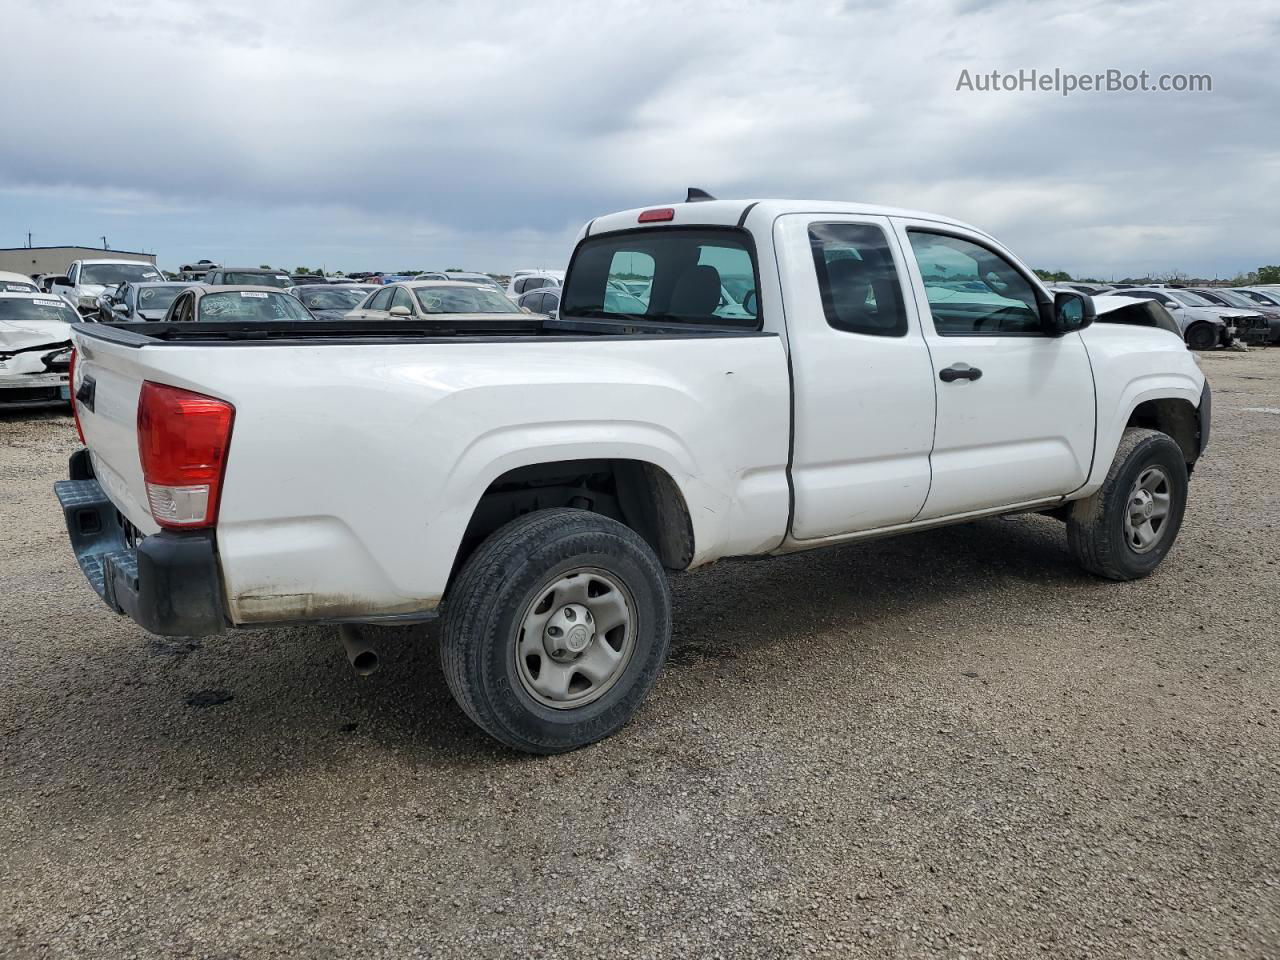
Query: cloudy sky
x,y
381,134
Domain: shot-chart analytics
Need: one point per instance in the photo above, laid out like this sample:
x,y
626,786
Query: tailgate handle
x,y
84,395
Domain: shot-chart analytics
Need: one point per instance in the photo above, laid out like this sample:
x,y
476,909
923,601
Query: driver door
x,y
1015,416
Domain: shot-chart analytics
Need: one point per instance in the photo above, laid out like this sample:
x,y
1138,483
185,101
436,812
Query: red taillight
x,y
182,442
71,388
659,215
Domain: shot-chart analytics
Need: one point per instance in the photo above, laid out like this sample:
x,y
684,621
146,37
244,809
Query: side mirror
x,y
1072,312
1173,305
400,311
60,281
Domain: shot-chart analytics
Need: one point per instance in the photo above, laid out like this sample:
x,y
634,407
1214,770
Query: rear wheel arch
x,y
637,493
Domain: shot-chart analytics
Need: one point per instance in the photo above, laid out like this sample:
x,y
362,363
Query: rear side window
x,y
860,289
703,276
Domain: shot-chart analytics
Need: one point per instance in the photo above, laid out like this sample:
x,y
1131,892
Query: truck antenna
x,y
697,196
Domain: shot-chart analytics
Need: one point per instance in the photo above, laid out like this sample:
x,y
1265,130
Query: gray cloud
x,y
487,131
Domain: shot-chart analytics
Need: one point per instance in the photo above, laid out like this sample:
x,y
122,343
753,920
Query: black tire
x,y
482,626
1202,336
1096,525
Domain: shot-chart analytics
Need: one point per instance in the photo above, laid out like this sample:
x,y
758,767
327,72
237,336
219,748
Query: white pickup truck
x,y
86,280
535,480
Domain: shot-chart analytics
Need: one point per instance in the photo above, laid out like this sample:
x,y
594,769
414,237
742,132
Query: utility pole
x,y
104,243
28,239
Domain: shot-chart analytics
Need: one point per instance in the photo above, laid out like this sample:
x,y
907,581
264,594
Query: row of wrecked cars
x,y
1205,317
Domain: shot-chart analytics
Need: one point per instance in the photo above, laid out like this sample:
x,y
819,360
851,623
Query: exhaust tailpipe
x,y
363,658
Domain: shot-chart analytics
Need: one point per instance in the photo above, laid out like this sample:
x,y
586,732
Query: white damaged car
x,y
35,347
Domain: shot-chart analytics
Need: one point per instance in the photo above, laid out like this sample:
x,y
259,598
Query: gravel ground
x,y
951,744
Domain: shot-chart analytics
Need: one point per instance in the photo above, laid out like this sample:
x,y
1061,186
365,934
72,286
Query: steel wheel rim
x,y
1146,515
575,638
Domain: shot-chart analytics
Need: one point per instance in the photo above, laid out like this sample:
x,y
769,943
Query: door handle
x,y
952,374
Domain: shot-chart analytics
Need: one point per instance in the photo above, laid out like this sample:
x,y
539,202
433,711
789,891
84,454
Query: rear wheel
x,y
556,630
1124,530
1202,336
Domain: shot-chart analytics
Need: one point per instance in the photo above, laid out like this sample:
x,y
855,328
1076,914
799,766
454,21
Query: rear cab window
x,y
699,276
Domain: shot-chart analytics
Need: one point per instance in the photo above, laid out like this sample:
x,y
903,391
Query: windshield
x,y
463,300
1189,299
157,298
681,273
1266,298
257,279
36,309
331,298
110,274
252,305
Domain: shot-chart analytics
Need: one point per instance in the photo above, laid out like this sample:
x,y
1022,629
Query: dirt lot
x,y
951,744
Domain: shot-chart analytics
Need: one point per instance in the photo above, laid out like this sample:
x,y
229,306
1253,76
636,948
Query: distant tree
x,y
304,270
1173,276
265,266
1268,274
1054,276
454,270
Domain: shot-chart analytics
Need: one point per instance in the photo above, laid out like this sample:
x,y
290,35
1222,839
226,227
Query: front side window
x,y
251,305
180,311
860,289
382,300
685,276
973,291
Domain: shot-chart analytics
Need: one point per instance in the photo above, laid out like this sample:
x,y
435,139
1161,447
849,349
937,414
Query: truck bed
x,y
360,450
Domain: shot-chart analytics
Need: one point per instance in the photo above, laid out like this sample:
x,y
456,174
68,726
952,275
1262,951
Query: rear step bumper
x,y
168,583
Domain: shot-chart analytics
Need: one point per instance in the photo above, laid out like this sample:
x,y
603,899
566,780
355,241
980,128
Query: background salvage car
x,y
138,301
1204,325
35,347
1231,298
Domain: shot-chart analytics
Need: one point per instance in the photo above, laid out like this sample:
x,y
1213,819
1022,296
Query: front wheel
x,y
1124,530
1202,336
556,630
